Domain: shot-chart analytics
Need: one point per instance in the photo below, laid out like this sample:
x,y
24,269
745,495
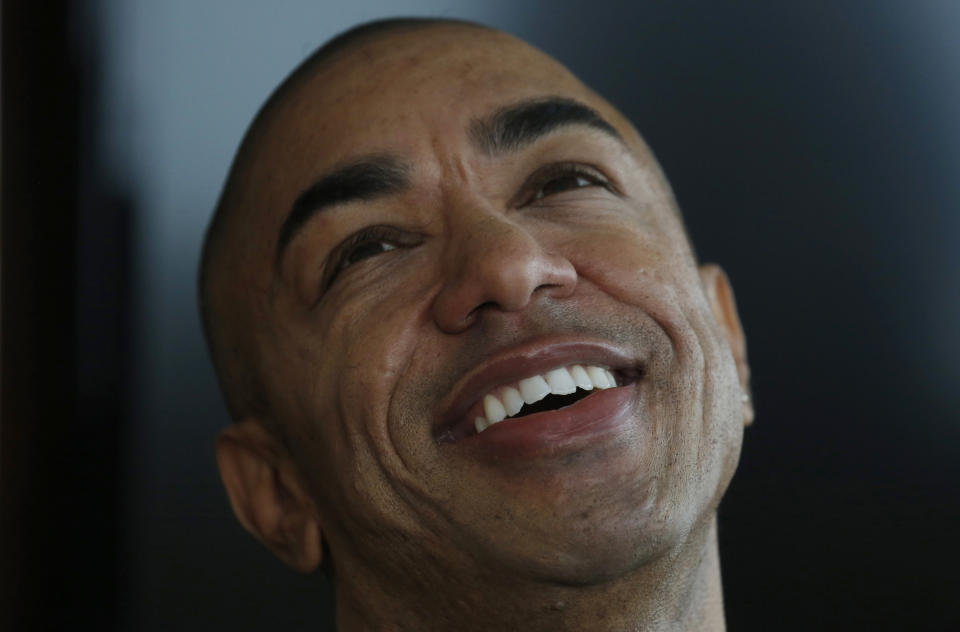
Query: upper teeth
x,y
507,401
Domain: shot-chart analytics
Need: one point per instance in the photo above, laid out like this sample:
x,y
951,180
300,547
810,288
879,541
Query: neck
x,y
678,592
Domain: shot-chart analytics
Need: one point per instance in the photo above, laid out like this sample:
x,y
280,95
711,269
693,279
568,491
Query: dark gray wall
x,y
815,149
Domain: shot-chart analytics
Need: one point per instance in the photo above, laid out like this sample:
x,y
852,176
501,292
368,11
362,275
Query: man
x,y
475,370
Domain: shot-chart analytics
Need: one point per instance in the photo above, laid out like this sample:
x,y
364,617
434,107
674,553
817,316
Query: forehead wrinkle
x,y
512,127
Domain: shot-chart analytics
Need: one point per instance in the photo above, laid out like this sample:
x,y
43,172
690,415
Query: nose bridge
x,y
499,257
493,262
498,235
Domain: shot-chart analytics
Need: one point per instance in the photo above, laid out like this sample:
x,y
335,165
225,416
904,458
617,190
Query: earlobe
x,y
719,293
267,494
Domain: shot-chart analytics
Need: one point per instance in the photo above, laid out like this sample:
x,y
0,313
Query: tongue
x,y
551,402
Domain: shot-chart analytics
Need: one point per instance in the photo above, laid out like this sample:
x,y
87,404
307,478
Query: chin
x,y
600,542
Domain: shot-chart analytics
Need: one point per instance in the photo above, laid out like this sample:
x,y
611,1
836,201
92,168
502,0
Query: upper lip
x,y
524,360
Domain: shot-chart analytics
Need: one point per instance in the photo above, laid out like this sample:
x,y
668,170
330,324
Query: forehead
x,y
404,90
413,93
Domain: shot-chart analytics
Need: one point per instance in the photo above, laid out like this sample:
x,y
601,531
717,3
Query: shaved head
x,y
226,328
230,332
469,350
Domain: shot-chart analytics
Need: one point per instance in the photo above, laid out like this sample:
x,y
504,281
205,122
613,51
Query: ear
x,y
268,495
719,292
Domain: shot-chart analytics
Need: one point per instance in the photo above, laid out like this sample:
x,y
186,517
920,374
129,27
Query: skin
x,y
612,534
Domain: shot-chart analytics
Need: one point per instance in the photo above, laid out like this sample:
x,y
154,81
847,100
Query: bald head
x,y
226,326
432,228
231,305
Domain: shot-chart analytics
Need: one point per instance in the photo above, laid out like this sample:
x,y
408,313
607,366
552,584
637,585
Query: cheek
x,y
633,264
381,347
370,349
701,431
693,385
374,340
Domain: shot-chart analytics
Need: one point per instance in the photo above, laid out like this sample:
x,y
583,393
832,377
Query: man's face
x,y
461,226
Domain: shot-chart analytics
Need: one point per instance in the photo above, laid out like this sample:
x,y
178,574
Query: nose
x,y
495,264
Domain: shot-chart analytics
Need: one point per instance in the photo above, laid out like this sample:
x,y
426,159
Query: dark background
x,y
814,148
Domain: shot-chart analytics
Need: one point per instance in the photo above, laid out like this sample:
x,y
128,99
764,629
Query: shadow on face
x,y
428,226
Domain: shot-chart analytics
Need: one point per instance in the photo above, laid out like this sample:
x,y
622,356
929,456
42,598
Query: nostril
x,y
483,305
559,289
548,286
479,308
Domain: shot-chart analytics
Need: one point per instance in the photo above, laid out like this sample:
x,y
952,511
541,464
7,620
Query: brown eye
x,y
564,183
364,251
558,178
368,243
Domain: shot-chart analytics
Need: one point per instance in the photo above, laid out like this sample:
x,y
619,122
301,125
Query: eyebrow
x,y
365,179
508,129
518,125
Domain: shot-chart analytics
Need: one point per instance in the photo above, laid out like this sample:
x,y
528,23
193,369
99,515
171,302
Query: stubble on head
x,y
241,300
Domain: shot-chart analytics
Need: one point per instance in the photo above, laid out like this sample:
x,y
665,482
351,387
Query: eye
x,y
559,178
365,250
563,183
365,244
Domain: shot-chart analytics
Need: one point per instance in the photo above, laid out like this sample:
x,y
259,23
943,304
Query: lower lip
x,y
560,431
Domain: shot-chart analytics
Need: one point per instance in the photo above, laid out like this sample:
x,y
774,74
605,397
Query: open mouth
x,y
563,385
551,402
553,390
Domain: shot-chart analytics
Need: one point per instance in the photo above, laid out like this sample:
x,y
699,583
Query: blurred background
x,y
814,148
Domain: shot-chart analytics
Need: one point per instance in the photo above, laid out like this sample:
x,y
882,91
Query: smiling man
x,y
475,369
